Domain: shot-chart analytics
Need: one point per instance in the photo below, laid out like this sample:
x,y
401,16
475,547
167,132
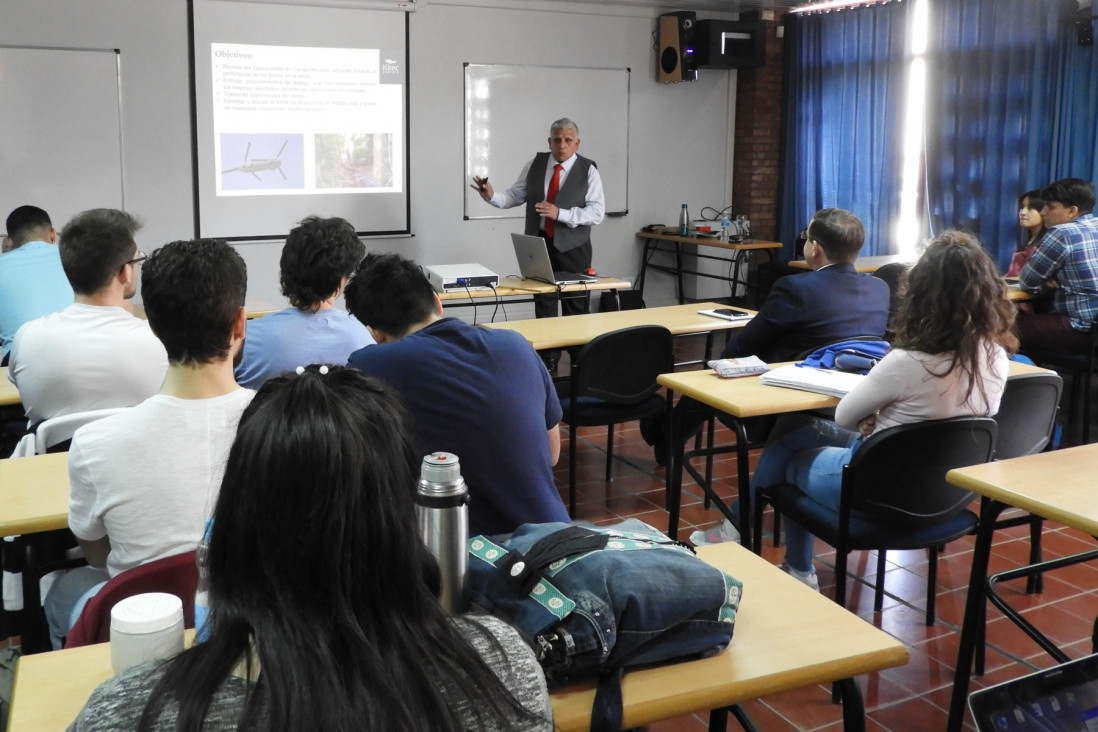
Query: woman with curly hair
x,y
949,359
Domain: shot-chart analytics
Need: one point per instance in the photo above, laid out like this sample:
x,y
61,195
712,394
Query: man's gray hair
x,y
564,124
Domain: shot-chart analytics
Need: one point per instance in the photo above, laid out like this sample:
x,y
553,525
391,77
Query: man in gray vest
x,y
564,199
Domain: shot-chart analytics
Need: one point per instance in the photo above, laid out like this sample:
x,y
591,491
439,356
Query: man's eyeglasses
x,y
141,257
804,235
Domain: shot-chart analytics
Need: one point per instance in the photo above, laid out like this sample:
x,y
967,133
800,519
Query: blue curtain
x,y
845,84
1075,130
991,91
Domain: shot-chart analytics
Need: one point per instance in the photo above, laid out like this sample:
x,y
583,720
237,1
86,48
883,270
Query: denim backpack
x,y
592,601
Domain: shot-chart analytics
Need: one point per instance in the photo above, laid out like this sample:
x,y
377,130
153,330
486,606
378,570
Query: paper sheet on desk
x,y
820,381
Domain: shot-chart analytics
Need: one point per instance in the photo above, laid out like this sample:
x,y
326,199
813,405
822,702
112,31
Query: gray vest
x,y
573,193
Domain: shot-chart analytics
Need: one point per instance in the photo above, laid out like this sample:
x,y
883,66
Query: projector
x,y
446,277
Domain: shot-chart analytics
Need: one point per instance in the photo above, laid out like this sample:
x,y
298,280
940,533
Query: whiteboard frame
x,y
516,134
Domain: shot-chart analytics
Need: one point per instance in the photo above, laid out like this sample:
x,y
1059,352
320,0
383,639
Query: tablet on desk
x,y
1057,699
726,314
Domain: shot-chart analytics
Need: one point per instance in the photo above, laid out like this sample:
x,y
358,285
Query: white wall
x,y
679,135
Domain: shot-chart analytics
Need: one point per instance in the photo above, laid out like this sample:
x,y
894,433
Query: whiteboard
x,y
61,147
508,111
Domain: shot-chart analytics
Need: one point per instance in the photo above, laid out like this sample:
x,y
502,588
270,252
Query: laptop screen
x,y
1063,698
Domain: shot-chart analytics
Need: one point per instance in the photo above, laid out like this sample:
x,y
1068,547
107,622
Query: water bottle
x,y
202,589
442,508
725,223
684,222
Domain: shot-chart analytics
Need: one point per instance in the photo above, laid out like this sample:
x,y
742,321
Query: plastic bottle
x,y
202,589
744,225
725,223
684,221
442,508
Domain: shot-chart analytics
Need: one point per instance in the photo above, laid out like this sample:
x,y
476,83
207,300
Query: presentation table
x,y
777,647
740,399
520,290
255,308
1056,485
653,239
577,330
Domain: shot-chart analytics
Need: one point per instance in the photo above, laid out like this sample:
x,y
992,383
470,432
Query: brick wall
x,y
756,177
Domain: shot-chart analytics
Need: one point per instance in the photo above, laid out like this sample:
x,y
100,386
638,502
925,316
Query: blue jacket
x,y
807,310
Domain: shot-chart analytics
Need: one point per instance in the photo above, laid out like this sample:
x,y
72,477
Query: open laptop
x,y
533,261
1063,697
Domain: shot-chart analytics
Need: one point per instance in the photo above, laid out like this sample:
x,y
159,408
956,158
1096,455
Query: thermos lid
x,y
146,613
440,467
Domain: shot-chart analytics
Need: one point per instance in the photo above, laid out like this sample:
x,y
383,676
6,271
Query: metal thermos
x,y
443,511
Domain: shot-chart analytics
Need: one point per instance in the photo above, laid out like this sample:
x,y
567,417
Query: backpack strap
x,y
525,569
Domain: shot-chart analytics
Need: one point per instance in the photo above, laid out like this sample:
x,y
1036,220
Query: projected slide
x,y
300,120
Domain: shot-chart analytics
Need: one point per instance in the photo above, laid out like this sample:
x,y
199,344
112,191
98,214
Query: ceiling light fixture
x,y
833,5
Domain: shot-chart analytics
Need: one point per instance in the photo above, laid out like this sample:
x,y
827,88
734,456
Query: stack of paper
x,y
821,381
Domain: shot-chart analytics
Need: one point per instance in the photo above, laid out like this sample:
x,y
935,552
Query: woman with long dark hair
x,y
949,359
1033,226
325,611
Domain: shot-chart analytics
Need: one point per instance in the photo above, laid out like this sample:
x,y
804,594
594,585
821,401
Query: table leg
x,y
673,470
678,269
853,706
989,511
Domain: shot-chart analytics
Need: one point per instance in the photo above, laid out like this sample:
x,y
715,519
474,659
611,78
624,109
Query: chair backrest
x,y
621,367
1027,414
176,575
54,435
893,275
899,473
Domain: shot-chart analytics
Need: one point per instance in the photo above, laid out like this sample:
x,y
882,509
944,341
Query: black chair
x,y
1026,419
1081,367
893,275
894,496
613,381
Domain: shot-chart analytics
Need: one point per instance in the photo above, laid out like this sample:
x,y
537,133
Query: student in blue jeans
x,y
949,359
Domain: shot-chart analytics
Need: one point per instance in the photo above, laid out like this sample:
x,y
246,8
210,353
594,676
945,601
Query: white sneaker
x,y
808,578
719,534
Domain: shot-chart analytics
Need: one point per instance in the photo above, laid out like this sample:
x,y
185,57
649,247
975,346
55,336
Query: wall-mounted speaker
x,y
676,47
729,44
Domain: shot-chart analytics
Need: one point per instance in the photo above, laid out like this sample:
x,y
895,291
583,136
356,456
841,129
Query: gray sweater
x,y
118,703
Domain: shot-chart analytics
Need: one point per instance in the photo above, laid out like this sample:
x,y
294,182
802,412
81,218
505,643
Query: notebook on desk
x,y
533,261
1060,698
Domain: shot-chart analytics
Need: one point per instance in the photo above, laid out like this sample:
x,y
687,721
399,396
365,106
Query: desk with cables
x,y
517,290
652,240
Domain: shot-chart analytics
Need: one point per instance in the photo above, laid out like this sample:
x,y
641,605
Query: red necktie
x,y
551,196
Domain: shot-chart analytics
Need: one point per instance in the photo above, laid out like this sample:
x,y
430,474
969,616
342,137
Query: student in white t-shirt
x,y
143,481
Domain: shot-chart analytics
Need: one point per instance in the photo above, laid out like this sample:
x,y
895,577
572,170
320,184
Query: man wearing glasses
x,y
804,311
94,354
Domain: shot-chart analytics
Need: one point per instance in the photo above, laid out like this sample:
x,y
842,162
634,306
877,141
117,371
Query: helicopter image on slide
x,y
257,165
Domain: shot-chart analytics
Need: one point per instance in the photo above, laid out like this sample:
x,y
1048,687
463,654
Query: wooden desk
x,y
255,307
652,241
520,290
9,395
577,330
864,264
34,494
740,399
778,646
1057,485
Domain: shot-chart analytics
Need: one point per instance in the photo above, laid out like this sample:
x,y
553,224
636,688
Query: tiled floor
x,y
905,699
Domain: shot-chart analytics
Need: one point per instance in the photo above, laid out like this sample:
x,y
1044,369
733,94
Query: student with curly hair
x,y
949,359
317,260
324,601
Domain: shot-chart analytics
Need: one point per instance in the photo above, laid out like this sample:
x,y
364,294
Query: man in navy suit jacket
x,y
803,311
